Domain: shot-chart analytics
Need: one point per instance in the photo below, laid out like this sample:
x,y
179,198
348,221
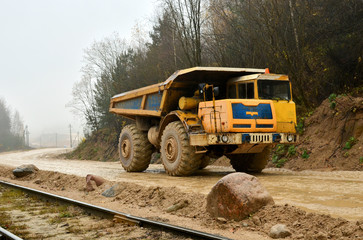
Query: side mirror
x,y
216,91
201,88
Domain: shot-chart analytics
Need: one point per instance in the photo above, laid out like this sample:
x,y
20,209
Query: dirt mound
x,y
159,201
100,146
161,198
332,138
305,225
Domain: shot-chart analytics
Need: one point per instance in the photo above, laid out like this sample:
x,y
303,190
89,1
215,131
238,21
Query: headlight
x,y
290,138
224,138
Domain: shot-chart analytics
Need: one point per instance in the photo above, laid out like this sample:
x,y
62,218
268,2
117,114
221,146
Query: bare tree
x,y
101,57
187,25
17,125
5,121
99,60
83,103
11,129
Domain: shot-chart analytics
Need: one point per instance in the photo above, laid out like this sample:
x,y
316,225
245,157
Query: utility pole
x,y
26,133
70,135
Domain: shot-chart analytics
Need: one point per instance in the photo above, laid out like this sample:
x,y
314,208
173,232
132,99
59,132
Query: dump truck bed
x,y
159,99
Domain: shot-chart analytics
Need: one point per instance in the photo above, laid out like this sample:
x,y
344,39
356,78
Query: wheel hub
x,y
125,148
171,149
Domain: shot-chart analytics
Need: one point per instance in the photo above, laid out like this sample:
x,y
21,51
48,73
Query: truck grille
x,y
261,138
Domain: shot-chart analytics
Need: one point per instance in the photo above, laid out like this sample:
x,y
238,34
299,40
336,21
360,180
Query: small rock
x,y
236,196
245,224
177,206
96,179
222,220
25,170
296,224
38,181
113,191
279,231
256,220
300,236
321,236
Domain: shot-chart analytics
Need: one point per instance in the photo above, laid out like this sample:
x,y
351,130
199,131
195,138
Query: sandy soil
x,y
338,193
149,194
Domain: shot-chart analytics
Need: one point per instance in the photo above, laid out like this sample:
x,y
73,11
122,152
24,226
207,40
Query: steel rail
x,y
119,215
6,235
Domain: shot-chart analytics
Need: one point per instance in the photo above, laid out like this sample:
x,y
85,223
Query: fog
x,y
41,49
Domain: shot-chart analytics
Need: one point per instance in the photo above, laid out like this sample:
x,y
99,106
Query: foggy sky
x,y
41,49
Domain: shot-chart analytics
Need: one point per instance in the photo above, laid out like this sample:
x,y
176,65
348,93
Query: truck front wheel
x,y
239,162
259,160
177,156
250,162
134,149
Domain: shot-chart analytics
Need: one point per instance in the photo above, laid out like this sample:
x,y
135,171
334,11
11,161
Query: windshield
x,y
272,89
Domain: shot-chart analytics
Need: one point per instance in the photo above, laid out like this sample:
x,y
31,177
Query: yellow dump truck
x,y
206,112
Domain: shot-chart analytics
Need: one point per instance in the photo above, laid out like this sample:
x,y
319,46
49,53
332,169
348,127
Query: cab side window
x,y
232,91
242,93
246,91
250,90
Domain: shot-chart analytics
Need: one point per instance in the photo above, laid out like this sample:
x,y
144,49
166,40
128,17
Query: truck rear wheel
x,y
134,149
177,156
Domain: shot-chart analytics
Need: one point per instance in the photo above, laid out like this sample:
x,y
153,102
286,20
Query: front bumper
x,y
207,139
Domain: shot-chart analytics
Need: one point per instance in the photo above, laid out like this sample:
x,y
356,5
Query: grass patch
x,y
305,154
350,143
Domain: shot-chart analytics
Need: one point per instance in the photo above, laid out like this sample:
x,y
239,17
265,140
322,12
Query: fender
x,y
190,121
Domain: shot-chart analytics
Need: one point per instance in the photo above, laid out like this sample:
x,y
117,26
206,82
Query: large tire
x,y
239,162
259,160
177,156
250,162
205,161
134,149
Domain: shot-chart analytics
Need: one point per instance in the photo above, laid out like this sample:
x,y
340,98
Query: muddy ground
x,y
150,194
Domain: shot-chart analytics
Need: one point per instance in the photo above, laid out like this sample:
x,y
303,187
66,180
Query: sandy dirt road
x,y
338,193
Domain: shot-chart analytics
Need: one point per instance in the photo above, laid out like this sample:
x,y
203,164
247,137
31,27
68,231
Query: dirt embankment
x,y
332,138
100,146
155,203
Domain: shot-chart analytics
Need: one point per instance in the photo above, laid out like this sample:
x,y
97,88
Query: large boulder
x,y
236,196
25,170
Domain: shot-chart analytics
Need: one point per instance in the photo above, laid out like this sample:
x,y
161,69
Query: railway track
x,y
109,214
6,235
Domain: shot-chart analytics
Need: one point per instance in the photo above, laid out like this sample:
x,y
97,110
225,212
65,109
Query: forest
x,y
11,129
318,43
